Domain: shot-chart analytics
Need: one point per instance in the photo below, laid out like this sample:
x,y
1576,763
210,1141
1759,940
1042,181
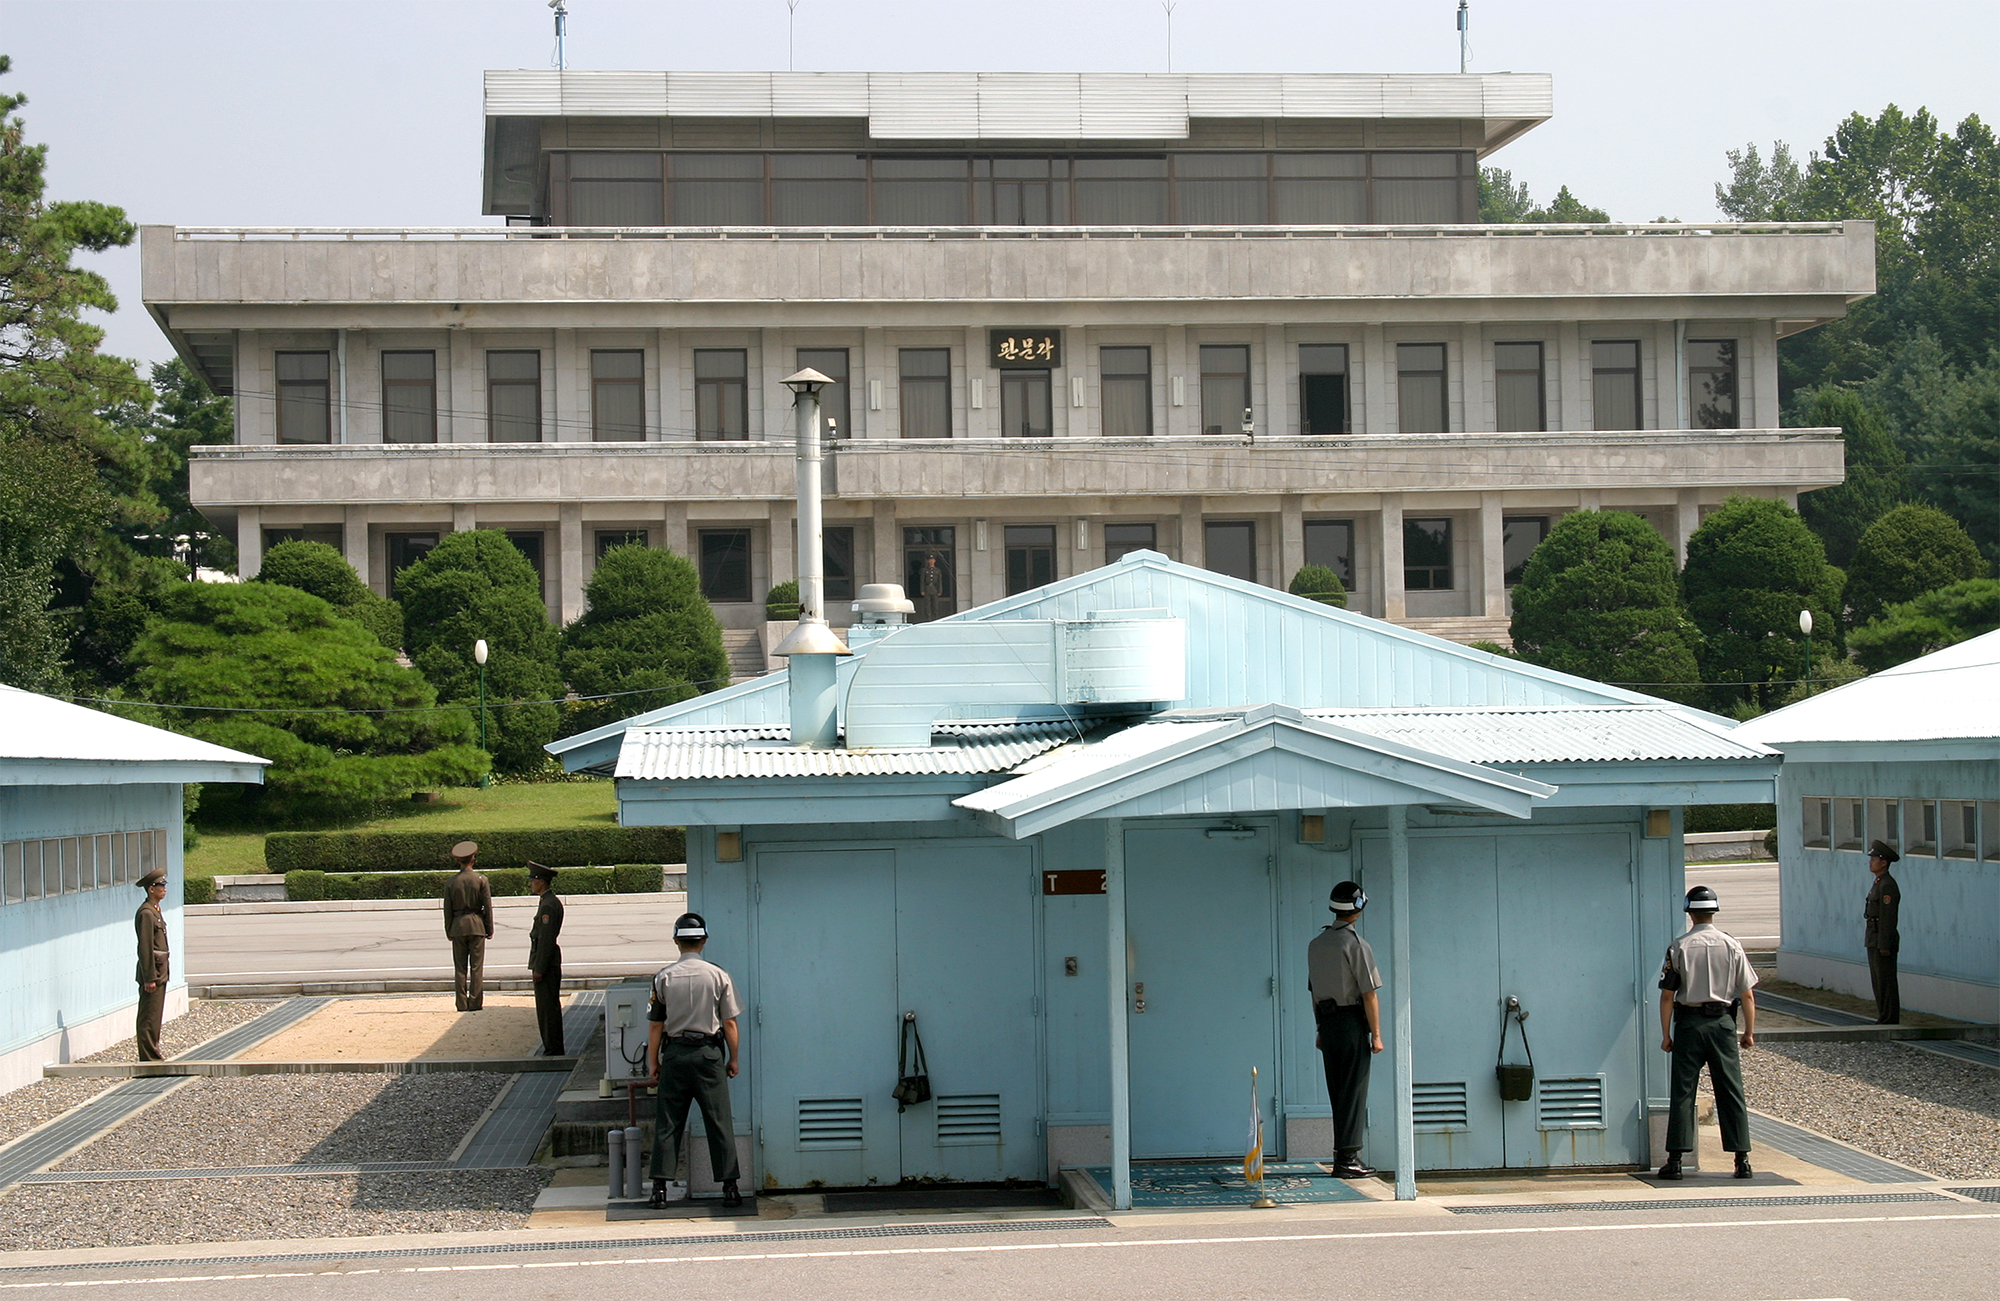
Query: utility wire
x,y
400,709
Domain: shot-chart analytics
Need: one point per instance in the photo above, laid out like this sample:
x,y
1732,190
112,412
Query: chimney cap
x,y
807,381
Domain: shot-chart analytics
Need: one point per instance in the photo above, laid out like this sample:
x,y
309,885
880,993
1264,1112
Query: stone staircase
x,y
746,653
1463,628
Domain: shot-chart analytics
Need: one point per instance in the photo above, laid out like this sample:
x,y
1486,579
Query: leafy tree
x,y
320,569
1319,583
1948,420
1830,668
1504,201
1941,617
648,630
476,586
1760,191
116,598
1909,551
60,463
1875,474
1598,599
1751,567
184,413
345,726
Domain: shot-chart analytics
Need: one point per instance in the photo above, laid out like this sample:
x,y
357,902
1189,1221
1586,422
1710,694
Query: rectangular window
x,y
1220,189
1519,404
1420,388
1031,556
721,394
819,190
1330,542
609,538
718,190
922,192
1885,822
618,395
1024,404
1711,367
836,549
924,392
31,870
1225,388
1020,191
835,405
120,841
1920,827
1121,191
1320,189
1519,536
1121,538
1126,375
1850,827
1614,384
304,397
1427,555
1958,823
13,871
1816,822
725,564
326,534
514,397
406,549
1323,388
1232,548
930,567
409,397
530,547
615,190
1989,830
1416,189
71,863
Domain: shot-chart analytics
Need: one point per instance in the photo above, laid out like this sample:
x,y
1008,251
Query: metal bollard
x,y
614,1146
635,1165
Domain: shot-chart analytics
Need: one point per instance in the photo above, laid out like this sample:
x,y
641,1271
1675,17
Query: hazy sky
x,y
367,112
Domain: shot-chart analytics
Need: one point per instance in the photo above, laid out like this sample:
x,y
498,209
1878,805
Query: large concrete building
x,y
1248,321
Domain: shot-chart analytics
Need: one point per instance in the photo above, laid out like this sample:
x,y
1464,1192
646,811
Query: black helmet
x,y
1701,899
1347,897
690,926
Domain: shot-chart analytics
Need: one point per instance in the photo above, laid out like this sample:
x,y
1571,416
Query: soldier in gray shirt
x,y
1343,979
693,1015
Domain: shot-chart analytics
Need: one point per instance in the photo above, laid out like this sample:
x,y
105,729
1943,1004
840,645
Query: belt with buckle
x,y
694,1039
1705,1009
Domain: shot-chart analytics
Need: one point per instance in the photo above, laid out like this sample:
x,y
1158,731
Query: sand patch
x,y
406,1027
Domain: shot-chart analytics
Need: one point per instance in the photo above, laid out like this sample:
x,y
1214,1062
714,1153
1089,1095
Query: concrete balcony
x,y
223,478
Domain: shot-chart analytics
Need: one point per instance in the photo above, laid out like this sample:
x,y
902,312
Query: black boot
x,y
1347,1165
1672,1169
1743,1170
659,1194
730,1195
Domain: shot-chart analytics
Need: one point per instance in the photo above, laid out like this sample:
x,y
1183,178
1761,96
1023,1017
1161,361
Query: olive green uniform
x,y
1714,974
545,965
468,921
1884,941
691,1000
154,966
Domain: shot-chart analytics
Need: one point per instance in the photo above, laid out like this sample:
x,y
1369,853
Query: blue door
x,y
1455,1013
1197,1027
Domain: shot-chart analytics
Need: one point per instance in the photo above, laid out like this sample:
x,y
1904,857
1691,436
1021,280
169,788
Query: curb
x,y
435,1066
1880,1033
438,985
399,905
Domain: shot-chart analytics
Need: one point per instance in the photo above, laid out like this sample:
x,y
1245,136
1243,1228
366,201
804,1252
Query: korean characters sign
x,y
1025,349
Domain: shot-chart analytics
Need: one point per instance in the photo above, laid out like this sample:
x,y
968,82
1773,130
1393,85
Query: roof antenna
x,y
791,21
562,34
1170,6
1464,34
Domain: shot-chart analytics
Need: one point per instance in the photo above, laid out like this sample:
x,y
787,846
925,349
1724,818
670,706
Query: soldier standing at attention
x,y
1884,941
468,922
693,1017
1343,980
1705,976
154,964
545,958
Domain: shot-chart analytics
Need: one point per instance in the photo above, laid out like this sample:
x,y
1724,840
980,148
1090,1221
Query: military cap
x,y
464,849
1702,899
158,876
541,871
690,926
1880,849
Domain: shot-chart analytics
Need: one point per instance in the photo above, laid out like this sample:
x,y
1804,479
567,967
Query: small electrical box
x,y
625,1031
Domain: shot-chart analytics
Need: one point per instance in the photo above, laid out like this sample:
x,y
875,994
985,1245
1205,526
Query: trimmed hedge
x,y
1729,817
311,886
430,851
198,889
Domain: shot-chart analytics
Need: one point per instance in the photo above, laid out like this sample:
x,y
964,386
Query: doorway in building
x,y
1196,1028
930,571
1025,410
850,940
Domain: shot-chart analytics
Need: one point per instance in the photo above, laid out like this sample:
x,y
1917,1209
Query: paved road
x,y
601,936
1749,901
1887,1251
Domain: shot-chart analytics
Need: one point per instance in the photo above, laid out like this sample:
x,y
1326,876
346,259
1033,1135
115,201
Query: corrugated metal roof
x,y
1951,695
696,753
38,727
1561,734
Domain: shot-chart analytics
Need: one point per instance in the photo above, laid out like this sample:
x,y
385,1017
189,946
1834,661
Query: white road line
x,y
996,1248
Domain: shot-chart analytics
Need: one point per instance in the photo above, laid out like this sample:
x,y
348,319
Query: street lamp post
x,y
479,658
1805,626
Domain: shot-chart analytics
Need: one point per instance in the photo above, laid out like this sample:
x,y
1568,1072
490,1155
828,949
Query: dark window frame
x,y
836,400
1603,376
836,565
393,388
1510,574
910,385
606,539
304,387
332,535
919,541
533,546
1430,571
1018,392
1408,376
721,401
717,551
1031,560
1317,554
1128,384
601,428
1209,531
1115,550
1316,398
1731,369
496,386
403,543
1203,357
1539,372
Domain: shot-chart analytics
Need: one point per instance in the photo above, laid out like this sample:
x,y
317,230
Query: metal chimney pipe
x,y
812,647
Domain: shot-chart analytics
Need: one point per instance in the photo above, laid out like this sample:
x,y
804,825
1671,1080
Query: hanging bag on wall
x,y
1517,1083
912,1086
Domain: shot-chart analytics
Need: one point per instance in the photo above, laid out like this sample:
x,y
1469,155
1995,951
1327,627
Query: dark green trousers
x,y
152,1007
1344,1051
1707,1041
548,1007
700,1076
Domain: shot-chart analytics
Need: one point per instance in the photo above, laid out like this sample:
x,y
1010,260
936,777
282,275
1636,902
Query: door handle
x,y
1139,997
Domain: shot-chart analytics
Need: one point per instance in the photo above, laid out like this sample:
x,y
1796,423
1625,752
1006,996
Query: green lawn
x,y
502,808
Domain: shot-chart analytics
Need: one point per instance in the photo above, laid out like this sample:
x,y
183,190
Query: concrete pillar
x,y
1194,546
1392,555
1082,558
876,370
1272,407
673,531
1291,539
1572,366
784,541
249,540
354,541
1492,555
1184,379
462,517
888,543
569,391
1590,498
1687,518
569,546
1378,368
1119,978
1474,389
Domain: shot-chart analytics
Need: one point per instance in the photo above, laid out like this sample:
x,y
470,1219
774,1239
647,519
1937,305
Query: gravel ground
x,y
1904,1104
279,1119
39,1103
46,1217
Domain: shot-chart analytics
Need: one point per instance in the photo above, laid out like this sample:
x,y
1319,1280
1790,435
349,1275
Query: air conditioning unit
x,y
625,1032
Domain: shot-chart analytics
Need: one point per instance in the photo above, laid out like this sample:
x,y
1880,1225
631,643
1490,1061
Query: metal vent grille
x,y
968,1118
829,1123
1978,1194
1575,1102
1440,1105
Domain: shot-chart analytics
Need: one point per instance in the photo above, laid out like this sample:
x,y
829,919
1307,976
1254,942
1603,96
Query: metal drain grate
x,y
1978,1194
1697,1203
614,1244
232,1172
